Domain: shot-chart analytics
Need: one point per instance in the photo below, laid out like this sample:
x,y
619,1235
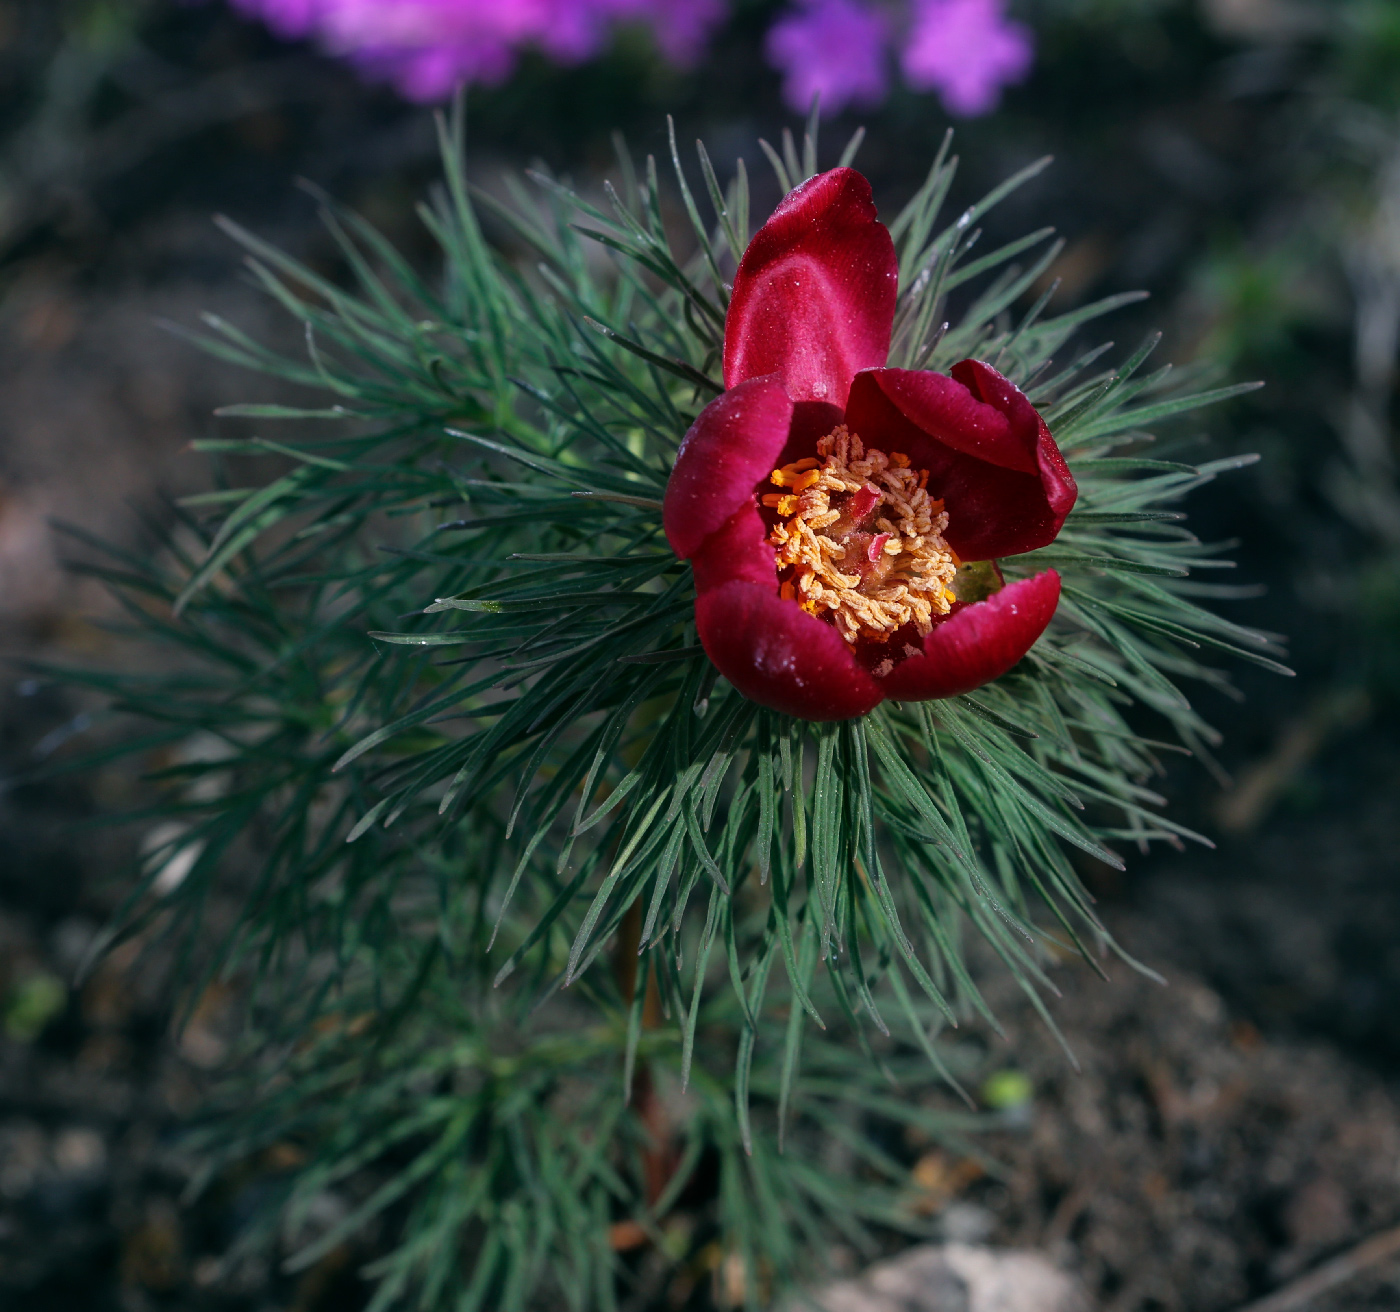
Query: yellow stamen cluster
x,y
911,578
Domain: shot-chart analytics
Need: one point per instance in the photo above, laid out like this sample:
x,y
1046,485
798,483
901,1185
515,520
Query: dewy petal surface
x,y
977,643
814,295
729,450
777,655
989,455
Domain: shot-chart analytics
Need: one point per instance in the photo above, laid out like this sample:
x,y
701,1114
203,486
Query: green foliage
x,y
519,879
32,1003
1367,44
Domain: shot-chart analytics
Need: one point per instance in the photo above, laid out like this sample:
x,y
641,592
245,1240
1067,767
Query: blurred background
x,y
1239,159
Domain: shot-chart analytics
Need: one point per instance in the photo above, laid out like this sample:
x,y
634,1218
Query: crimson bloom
x,y
843,518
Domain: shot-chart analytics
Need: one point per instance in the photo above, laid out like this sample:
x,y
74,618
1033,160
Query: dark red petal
x,y
729,450
811,421
738,549
989,454
988,385
977,643
777,655
815,291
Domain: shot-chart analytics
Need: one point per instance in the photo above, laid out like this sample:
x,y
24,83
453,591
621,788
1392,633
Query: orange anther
x,y
790,475
869,578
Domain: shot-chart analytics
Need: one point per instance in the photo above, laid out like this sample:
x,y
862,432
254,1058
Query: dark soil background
x,y
1227,1132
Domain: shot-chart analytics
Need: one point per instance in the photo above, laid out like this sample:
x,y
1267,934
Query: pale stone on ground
x,y
956,1278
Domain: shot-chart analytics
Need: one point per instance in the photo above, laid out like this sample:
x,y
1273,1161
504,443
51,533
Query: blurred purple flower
x,y
966,50
429,47
831,48
287,18
682,28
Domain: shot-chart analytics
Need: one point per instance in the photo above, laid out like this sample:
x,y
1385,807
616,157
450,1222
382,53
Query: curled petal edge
x,y
738,549
1005,482
977,643
988,385
730,448
777,655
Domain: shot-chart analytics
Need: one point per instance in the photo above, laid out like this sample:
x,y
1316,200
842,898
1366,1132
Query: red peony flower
x,y
843,519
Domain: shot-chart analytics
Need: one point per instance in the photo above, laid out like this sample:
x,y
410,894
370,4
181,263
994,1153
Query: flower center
x,y
861,542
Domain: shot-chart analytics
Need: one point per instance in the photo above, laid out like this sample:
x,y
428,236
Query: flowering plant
x,y
593,873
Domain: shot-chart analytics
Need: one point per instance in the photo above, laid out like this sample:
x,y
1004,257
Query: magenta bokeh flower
x,y
429,47
682,31
834,49
289,19
966,50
